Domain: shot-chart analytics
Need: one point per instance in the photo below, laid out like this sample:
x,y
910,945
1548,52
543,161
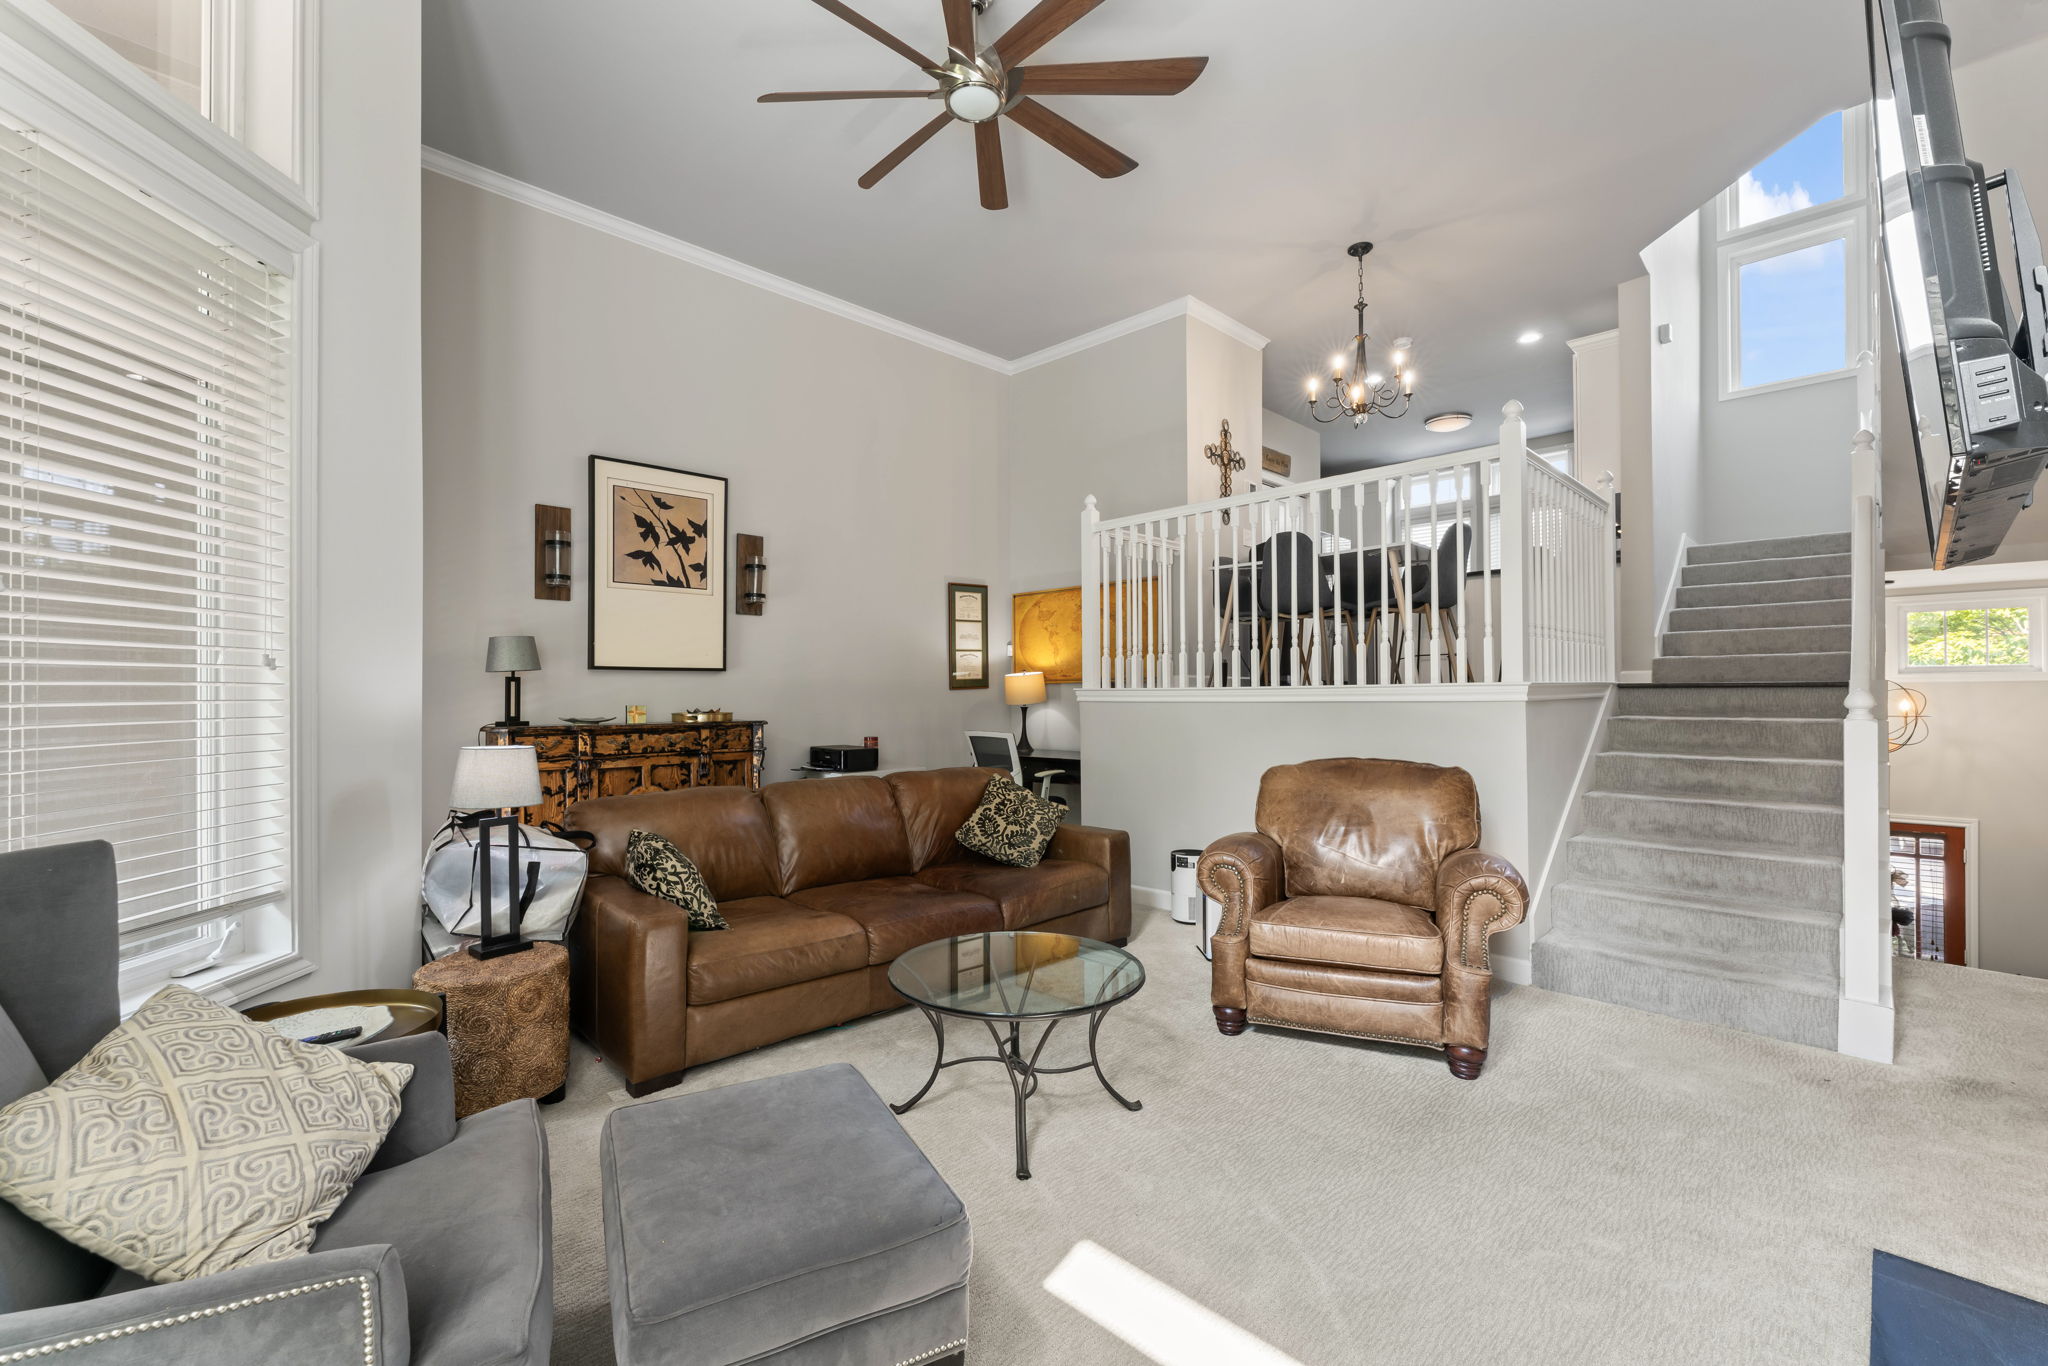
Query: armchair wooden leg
x,y
1465,1062
1229,1020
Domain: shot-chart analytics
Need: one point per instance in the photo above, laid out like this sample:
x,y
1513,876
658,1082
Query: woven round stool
x,y
508,1023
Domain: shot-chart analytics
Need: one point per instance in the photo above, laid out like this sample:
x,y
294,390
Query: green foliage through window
x,y
1970,637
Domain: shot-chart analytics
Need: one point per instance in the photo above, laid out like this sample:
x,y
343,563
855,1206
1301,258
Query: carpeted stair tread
x,y
1699,963
1775,548
1791,701
1759,737
1714,847
1758,640
1817,667
1692,984
1675,900
1829,586
1796,827
1768,935
1759,571
1741,872
1741,616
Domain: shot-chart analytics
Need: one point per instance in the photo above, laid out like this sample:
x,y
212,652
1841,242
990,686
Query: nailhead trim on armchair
x,y
362,1284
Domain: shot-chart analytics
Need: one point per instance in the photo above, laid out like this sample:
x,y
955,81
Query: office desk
x,y
1066,761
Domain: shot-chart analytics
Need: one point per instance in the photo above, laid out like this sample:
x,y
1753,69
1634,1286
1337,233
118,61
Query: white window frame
x,y
2034,600
81,92
1847,218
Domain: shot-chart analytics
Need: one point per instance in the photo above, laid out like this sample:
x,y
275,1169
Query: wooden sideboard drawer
x,y
579,763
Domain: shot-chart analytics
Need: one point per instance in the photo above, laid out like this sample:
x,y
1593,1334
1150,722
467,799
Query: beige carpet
x,y
1618,1187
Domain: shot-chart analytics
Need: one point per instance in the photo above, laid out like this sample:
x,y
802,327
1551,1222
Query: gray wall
x,y
1773,464
1179,774
870,464
1298,439
1984,758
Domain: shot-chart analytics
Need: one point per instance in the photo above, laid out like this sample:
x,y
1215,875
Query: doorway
x,y
1930,879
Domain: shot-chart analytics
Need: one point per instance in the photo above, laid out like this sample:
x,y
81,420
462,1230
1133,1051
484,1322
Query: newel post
x,y
1866,1004
1091,596
1514,544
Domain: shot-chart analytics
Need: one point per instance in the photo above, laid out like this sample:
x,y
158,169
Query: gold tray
x,y
412,1012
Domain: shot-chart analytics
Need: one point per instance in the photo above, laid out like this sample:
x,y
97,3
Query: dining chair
x,y
1436,587
1288,586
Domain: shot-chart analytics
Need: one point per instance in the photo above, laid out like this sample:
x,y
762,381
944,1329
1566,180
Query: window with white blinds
x,y
145,485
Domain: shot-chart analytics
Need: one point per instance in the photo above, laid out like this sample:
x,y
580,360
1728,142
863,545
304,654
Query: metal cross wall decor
x,y
1227,461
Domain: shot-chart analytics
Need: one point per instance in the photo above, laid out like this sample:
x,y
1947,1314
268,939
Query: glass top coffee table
x,y
1013,978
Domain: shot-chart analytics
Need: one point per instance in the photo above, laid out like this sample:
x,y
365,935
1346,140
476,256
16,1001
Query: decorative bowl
x,y
586,720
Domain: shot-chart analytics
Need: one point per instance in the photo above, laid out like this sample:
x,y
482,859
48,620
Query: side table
x,y
508,1024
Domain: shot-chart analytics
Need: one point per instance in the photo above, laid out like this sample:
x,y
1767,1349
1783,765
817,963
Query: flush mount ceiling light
x,y
982,84
1447,422
1530,338
1366,391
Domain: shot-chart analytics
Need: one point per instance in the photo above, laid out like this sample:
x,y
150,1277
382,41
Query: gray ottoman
x,y
787,1221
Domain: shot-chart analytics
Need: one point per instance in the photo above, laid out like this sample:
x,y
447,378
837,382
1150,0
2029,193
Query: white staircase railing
x,y
1484,566
1866,1028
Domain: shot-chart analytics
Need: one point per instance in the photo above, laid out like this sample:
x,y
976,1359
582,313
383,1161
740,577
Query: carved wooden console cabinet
x,y
581,762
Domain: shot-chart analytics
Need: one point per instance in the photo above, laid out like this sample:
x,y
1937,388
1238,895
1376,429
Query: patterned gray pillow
x,y
192,1140
1010,825
658,868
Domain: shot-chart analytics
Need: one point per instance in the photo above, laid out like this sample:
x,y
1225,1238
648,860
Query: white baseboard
x,y
1634,676
1150,899
1515,970
1865,1031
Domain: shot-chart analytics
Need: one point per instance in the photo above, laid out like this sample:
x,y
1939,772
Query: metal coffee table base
x,y
1023,1072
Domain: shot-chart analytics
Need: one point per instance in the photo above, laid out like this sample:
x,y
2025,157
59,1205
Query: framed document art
x,y
658,569
966,635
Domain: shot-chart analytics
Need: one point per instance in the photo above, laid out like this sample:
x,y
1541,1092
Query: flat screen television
x,y
1973,364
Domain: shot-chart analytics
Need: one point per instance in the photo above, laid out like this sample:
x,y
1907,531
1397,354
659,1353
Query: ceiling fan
x,y
981,84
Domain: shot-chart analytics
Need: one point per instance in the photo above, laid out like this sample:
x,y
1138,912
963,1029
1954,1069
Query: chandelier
x,y
1357,389
1908,723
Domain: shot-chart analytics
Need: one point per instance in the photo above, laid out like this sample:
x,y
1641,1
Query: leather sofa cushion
x,y
899,913
723,830
771,943
1354,931
1027,896
479,1270
834,830
1368,827
934,803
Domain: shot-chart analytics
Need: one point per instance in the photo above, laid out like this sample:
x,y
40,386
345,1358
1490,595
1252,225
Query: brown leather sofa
x,y
824,882
1362,906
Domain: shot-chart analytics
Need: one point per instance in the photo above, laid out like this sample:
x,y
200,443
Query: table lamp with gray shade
x,y
489,779
511,656
1024,690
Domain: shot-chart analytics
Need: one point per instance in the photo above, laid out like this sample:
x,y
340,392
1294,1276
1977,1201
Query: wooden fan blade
x,y
903,150
960,26
988,160
1084,147
876,31
797,96
1047,21
1157,76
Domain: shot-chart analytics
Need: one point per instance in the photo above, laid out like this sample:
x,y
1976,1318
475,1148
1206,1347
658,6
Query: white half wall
x,y
1177,773
868,462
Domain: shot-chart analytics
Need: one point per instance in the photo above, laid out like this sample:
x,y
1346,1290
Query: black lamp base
x,y
498,948
496,945
1024,733
512,716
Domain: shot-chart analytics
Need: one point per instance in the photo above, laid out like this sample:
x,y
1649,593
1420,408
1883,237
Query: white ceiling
x,y
1509,159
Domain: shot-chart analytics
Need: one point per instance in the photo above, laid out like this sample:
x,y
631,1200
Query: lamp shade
x,y
490,776
1024,690
511,654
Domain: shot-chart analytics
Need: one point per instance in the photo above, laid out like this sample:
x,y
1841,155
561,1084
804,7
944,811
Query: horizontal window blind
x,y
145,482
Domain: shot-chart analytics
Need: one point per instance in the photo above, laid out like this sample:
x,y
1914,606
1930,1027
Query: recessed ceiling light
x,y
1448,422
1530,338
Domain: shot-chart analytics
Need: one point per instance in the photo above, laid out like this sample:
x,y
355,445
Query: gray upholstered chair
x,y
439,1257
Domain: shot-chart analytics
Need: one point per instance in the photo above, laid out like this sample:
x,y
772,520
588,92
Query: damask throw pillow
x,y
1010,825
192,1140
658,868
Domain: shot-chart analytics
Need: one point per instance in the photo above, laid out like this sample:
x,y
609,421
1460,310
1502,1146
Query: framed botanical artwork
x,y
658,568
967,635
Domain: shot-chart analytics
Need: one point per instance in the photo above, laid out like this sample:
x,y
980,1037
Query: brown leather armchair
x,y
1362,906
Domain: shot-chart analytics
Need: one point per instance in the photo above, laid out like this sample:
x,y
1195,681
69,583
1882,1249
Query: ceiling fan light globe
x,y
974,102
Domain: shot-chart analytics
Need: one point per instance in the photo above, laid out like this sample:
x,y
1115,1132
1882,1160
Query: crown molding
x,y
519,191
1594,342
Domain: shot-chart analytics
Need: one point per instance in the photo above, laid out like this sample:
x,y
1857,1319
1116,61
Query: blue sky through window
x,y
1795,314
1804,172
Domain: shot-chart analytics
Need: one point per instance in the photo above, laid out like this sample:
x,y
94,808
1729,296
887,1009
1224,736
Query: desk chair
x,y
998,749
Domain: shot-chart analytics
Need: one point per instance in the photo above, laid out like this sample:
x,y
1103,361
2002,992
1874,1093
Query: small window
x,y
1988,635
1793,312
1806,173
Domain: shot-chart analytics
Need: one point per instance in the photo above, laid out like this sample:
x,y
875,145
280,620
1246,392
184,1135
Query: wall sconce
x,y
753,580
553,579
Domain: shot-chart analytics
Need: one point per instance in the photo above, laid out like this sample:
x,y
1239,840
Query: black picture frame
x,y
714,594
